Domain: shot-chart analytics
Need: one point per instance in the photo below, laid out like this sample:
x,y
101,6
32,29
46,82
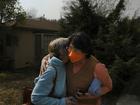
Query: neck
x,y
81,62
78,65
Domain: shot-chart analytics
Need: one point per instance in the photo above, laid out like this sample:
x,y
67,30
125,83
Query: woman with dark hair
x,y
83,69
84,72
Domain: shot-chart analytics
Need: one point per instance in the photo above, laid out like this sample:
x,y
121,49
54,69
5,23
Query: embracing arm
x,y
103,75
102,83
44,64
42,89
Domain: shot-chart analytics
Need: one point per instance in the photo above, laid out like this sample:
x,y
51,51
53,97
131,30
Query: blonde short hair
x,y
58,45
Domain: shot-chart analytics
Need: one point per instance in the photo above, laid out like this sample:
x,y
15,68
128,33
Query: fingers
x,y
80,93
87,94
44,65
71,101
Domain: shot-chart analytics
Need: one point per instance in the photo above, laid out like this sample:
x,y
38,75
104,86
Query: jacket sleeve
x,y
43,87
36,79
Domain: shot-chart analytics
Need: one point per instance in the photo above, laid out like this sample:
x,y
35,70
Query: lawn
x,y
12,84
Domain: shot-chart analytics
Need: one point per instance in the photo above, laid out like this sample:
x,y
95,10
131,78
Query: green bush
x,y
123,73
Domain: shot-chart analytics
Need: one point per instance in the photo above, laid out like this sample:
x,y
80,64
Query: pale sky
x,y
52,9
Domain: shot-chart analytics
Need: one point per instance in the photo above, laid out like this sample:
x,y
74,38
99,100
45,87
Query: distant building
x,y
23,45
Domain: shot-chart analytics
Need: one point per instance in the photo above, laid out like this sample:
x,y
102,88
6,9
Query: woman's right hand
x,y
71,101
44,64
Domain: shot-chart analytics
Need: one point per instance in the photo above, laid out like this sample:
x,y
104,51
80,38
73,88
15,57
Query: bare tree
x,y
32,13
11,10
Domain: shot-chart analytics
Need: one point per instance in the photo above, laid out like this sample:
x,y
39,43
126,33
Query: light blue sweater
x,y
95,86
54,79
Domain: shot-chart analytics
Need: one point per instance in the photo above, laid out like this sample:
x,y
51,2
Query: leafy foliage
x,y
116,40
11,10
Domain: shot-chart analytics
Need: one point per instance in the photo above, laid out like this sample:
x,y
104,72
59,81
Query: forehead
x,y
71,45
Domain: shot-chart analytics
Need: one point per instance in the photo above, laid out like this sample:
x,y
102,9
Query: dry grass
x,y
12,84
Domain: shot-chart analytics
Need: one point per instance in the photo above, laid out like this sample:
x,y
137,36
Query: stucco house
x,y
23,45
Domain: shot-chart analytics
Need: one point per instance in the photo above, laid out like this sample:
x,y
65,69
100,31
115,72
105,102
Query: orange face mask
x,y
75,56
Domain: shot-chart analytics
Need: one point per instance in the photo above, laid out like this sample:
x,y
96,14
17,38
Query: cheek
x,y
66,59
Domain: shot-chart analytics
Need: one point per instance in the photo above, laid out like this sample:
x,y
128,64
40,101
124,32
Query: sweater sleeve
x,y
43,87
103,75
94,87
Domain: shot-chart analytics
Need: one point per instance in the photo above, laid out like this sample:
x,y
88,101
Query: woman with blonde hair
x,y
50,87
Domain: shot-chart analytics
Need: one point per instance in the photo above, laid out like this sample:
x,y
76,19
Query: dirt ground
x,y
128,100
12,84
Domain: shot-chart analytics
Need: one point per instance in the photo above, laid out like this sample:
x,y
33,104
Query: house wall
x,y
42,41
24,51
31,47
7,48
46,39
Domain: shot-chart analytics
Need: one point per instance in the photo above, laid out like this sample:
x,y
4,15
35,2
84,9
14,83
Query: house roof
x,y
38,24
